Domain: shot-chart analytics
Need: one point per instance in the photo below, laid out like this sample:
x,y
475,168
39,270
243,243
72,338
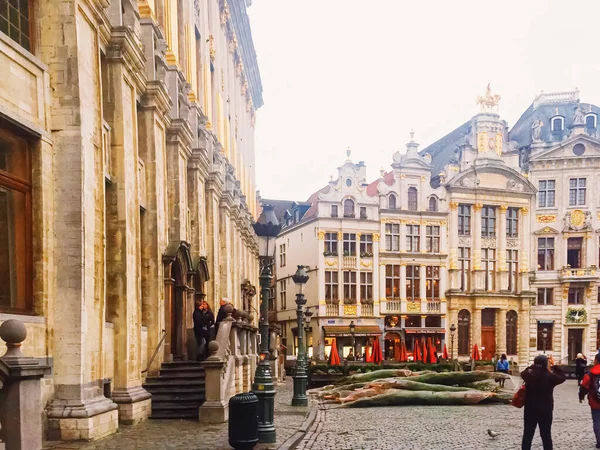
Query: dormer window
x,y
433,204
412,198
334,210
348,208
591,120
557,123
296,216
392,201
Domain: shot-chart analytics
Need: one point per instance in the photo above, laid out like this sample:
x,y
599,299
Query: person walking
x,y
580,365
589,386
502,367
203,319
540,380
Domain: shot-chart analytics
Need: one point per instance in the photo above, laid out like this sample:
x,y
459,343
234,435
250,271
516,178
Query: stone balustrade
x,y
230,367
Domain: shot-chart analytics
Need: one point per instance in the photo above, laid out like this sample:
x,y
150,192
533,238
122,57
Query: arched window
x,y
511,332
392,201
348,208
557,123
432,204
464,332
591,120
412,199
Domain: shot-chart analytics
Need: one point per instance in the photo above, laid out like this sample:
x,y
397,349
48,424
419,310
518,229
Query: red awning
x,y
430,330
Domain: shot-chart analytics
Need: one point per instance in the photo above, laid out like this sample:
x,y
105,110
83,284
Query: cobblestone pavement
x,y
448,427
188,434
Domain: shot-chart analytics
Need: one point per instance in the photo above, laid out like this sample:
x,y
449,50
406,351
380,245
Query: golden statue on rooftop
x,y
489,102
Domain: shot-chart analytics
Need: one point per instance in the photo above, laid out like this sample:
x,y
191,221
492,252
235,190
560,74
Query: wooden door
x,y
575,343
488,342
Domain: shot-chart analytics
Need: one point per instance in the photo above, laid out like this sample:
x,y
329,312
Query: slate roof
x,y
279,207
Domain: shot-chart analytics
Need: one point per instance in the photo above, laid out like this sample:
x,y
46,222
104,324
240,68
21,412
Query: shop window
x,y
511,332
15,224
433,321
464,331
412,322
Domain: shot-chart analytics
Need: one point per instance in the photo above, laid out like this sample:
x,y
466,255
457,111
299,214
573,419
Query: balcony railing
x,y
393,306
434,306
366,310
568,273
349,262
332,310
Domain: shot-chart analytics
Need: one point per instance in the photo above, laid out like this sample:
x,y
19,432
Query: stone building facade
x,y
491,229
127,189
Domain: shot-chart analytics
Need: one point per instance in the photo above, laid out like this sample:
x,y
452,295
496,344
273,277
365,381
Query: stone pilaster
x,y
476,327
501,330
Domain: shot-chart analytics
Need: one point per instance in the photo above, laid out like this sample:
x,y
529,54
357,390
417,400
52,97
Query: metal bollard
x,y
243,421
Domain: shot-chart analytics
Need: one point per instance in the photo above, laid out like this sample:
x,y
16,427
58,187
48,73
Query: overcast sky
x,y
339,73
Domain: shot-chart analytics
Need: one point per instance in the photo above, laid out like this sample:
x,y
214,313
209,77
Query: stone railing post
x,y
21,393
215,409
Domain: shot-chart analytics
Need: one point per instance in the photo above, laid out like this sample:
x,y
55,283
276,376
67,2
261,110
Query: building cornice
x,y
122,47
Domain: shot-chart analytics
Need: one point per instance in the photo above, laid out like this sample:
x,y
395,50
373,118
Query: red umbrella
x,y
432,352
377,355
416,351
475,355
368,354
334,357
445,352
425,355
397,350
403,352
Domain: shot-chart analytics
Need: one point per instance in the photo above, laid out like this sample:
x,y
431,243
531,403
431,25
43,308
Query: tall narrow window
x,y
512,222
546,193
557,123
575,296
349,287
331,286
348,208
349,244
366,245
433,204
591,120
464,220
363,212
432,237
413,238
545,296
488,261
366,286
282,255
488,221
334,210
432,283
413,283
412,199
545,253
464,332
331,244
15,21
392,282
392,201
15,224
511,332
392,237
464,262
577,191
512,265
282,294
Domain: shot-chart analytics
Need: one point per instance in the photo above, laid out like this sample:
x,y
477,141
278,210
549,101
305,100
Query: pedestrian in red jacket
x,y
588,387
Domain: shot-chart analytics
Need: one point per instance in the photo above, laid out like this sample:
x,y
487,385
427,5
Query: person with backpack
x,y
590,386
540,380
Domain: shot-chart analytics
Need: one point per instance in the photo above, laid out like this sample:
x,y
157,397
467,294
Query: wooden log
x,y
400,397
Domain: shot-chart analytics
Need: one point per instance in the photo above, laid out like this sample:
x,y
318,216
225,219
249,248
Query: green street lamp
x,y
300,378
267,228
307,316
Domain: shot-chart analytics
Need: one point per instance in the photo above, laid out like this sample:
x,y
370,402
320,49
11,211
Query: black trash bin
x,y
243,421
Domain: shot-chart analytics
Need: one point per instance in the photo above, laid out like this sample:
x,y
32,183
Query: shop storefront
x,y
350,345
411,329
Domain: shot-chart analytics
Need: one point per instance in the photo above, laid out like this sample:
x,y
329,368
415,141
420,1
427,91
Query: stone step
x,y
185,369
170,414
182,364
177,397
180,374
176,379
174,405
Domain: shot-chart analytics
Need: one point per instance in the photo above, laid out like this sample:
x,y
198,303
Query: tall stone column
x,y
478,272
377,269
451,247
501,246
476,327
213,193
123,247
225,246
524,239
402,200
501,330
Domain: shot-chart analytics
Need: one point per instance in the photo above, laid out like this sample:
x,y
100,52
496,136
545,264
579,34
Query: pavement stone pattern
x,y
448,427
189,434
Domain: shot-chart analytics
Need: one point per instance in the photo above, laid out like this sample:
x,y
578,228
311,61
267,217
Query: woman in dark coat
x,y
580,365
203,320
540,380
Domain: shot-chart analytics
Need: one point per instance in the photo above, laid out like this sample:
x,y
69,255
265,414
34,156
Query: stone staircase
x,y
178,390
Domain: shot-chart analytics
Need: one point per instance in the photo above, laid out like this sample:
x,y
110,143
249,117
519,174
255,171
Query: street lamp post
x,y
352,331
307,316
544,337
452,331
267,228
300,379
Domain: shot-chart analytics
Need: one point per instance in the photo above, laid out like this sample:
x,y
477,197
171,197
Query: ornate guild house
x,y
492,229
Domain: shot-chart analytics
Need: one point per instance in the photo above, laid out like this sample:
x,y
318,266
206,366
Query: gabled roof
x,y
388,178
557,151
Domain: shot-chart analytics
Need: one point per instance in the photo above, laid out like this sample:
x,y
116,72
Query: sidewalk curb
x,y
294,440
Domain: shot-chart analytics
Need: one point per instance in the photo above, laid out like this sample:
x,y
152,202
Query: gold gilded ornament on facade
x,y
233,43
477,206
488,101
524,211
225,14
349,310
340,235
453,205
482,142
331,263
577,217
211,47
503,208
376,237
546,218
321,235
499,144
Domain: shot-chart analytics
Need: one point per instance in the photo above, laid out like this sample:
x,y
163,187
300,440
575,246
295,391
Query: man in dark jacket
x,y
203,319
540,379
588,387
221,314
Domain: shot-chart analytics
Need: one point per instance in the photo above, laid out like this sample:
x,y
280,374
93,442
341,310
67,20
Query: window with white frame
x,y
488,262
392,237
349,244
576,296
464,265
464,220
334,210
432,283
413,196
392,201
366,245
349,286
545,253
488,221
432,238
512,266
282,294
413,283
546,193
545,296
433,204
282,255
557,123
366,286
413,238
512,222
331,244
331,285
577,191
348,208
591,120
392,281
